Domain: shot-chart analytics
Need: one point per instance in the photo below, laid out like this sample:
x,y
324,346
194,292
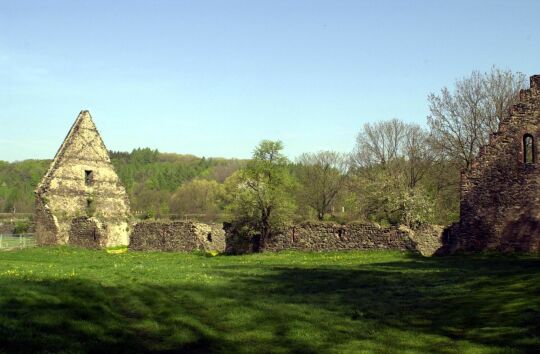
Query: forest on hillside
x,y
179,186
397,173
150,177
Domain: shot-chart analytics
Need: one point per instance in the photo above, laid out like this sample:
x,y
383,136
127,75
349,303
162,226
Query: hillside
x,y
150,177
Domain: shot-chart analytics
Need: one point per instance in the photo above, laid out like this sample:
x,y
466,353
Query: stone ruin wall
x,y
500,195
322,236
185,236
68,199
64,200
6,227
188,236
46,224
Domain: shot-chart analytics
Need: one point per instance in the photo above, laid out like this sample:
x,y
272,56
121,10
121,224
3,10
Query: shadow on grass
x,y
492,302
84,316
489,300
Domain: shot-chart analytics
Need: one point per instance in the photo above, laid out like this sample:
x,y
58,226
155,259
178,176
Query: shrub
x,y
21,227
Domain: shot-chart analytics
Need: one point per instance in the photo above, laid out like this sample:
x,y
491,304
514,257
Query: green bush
x,y
21,227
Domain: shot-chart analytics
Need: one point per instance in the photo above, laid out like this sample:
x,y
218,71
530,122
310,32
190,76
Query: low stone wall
x,y
183,236
321,236
428,239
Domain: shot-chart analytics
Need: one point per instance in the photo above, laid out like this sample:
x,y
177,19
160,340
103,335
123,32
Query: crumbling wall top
x,y
535,82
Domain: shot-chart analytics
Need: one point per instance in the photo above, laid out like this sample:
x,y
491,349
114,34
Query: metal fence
x,y
11,241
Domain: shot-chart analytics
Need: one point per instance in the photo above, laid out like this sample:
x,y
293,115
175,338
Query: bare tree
x,y
418,156
225,169
197,196
323,176
461,121
394,145
379,143
502,88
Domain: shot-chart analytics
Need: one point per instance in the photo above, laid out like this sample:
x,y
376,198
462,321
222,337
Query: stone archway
x,y
85,232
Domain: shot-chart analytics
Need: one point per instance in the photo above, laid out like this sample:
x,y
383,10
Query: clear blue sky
x,y
213,78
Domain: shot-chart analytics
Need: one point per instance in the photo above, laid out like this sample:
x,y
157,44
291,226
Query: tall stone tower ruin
x,y
500,194
80,200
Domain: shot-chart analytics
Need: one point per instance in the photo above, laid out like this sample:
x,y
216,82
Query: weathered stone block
x,y
183,236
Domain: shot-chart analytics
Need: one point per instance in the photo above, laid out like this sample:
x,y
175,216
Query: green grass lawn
x,y
73,300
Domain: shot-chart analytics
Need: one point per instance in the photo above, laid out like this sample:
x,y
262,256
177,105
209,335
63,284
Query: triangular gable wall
x,y
81,187
83,121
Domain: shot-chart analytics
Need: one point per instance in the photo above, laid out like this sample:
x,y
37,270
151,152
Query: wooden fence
x,y
15,216
12,241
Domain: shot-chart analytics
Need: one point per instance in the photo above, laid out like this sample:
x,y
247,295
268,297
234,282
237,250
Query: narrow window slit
x,y
528,149
88,177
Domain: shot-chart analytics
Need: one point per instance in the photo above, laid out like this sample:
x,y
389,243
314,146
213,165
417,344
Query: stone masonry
x,y
185,236
324,236
80,200
500,194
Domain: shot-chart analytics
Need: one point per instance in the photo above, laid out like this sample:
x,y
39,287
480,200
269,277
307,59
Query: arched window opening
x,y
528,149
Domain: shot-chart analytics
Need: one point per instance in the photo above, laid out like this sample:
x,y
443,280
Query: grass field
x,y
73,300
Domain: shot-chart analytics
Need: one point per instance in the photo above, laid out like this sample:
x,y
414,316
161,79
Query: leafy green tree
x,y
17,183
260,193
386,198
411,207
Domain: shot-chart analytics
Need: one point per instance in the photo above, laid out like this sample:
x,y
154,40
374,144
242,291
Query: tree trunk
x,y
264,236
265,230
